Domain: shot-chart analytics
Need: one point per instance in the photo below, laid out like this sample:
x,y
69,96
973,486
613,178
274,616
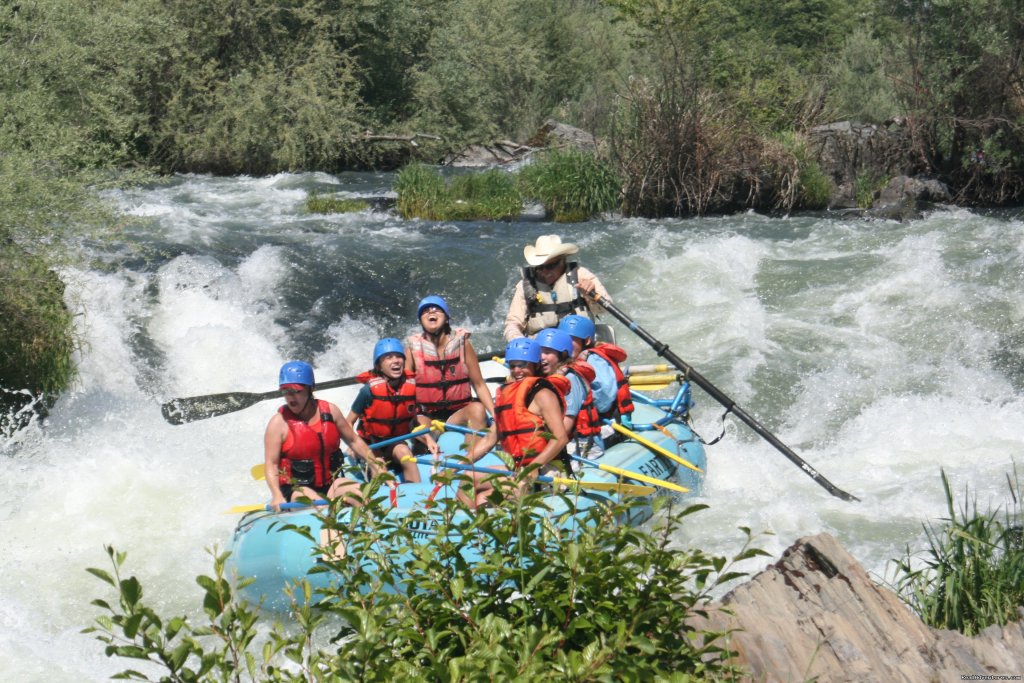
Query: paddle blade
x,y
258,472
181,410
242,509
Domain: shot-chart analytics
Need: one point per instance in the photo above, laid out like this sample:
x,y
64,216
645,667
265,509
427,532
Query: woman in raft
x,y
528,419
385,408
302,444
445,365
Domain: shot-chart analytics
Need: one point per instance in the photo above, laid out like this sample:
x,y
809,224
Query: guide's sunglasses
x,y
549,266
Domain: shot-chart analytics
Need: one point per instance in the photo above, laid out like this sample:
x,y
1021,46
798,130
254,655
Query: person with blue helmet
x,y
385,408
612,396
581,419
302,454
446,368
551,287
528,421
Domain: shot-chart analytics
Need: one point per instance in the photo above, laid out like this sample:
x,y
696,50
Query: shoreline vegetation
x,y
608,602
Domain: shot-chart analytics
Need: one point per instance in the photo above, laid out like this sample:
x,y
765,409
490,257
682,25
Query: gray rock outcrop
x,y
816,615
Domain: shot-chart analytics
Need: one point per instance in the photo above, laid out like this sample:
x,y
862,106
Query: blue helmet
x,y
432,300
386,346
522,348
554,338
296,372
578,326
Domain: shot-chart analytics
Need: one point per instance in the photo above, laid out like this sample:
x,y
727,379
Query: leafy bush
x,y
572,185
489,195
973,573
596,601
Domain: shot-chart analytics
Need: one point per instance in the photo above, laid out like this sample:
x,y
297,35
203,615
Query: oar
x,y
181,410
625,489
653,446
715,393
258,474
632,475
608,468
239,509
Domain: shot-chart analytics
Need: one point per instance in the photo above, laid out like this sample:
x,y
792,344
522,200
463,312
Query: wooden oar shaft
x,y
715,393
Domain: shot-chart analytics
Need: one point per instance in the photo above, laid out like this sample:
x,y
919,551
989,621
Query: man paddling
x,y
551,288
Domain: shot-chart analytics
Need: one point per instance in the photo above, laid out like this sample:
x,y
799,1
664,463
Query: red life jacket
x,y
614,355
520,431
588,422
442,380
391,411
308,445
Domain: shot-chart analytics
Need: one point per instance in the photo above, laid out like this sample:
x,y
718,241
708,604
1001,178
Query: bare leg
x,y
410,468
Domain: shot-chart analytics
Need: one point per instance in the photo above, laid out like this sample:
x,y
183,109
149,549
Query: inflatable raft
x,y
269,547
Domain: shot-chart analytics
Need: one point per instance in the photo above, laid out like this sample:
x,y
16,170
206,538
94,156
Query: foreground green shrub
x,y
572,185
601,602
488,195
973,570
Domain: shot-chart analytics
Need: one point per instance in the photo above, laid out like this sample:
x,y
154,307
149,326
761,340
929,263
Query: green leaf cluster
x,y
971,576
572,185
543,599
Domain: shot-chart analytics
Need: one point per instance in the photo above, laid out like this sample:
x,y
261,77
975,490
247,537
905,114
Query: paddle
x,y
715,393
632,475
625,489
653,446
181,410
608,468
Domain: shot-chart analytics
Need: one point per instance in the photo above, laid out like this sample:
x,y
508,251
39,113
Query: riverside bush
x,y
973,570
599,601
572,185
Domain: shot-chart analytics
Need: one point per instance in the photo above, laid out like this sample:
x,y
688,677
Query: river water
x,y
881,352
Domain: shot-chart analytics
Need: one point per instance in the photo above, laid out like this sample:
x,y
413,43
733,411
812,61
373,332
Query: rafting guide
x,y
551,288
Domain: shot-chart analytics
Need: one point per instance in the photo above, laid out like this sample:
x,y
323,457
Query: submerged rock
x,y
816,615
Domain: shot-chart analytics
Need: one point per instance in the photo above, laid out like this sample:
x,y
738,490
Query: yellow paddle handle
x,y
654,447
644,478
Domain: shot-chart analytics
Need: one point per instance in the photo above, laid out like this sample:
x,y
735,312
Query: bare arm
x,y
482,445
476,378
515,320
356,443
273,439
546,404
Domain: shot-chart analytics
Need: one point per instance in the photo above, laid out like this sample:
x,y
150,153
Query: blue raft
x,y
273,555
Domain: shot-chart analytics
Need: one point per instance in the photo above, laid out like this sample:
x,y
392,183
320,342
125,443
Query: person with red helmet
x,y
302,444
528,418
446,367
385,407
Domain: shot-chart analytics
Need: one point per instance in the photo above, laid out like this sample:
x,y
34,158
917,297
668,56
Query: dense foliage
x,y
972,574
595,601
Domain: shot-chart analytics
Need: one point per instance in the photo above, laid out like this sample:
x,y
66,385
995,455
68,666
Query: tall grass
x,y
973,570
488,195
572,185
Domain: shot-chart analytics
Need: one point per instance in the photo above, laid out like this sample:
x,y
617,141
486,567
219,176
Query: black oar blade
x,y
181,410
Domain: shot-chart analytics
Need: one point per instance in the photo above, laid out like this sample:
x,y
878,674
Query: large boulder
x,y
816,615
853,153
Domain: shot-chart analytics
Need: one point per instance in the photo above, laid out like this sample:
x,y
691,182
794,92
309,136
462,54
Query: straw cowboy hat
x,y
547,248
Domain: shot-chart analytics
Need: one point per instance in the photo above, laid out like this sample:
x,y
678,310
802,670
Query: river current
x,y
881,352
